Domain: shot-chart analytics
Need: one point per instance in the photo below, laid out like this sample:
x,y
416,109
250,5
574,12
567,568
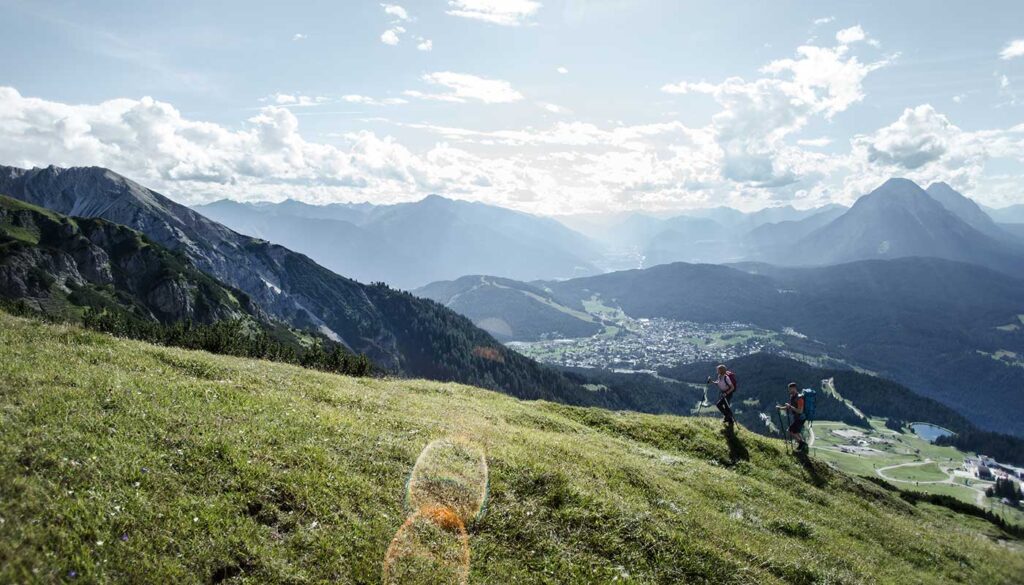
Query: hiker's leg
x,y
724,408
794,431
720,405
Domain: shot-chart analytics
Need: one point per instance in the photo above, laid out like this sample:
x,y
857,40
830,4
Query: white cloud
x,y
1012,50
562,70
284,99
437,97
566,167
391,36
920,136
815,142
425,45
463,87
152,142
924,145
553,108
369,101
299,37
1004,82
502,12
959,98
851,35
396,11
757,116
824,20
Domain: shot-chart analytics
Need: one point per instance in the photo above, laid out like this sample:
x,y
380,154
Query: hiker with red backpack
x,y
726,382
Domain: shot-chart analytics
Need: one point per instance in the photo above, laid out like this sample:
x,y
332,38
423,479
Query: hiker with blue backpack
x,y
726,383
799,408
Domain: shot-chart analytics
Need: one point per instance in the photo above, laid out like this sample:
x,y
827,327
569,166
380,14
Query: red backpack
x,y
732,380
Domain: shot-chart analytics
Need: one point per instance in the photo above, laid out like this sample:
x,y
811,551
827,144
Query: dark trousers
x,y
723,406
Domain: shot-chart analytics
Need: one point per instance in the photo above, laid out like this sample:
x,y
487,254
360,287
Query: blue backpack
x,y
808,395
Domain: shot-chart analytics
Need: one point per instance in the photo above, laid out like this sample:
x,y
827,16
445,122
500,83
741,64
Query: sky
x,y
546,106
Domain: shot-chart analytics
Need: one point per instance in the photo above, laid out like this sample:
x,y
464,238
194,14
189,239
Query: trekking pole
x,y
783,428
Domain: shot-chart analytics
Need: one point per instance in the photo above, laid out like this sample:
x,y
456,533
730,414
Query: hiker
x,y
795,407
726,383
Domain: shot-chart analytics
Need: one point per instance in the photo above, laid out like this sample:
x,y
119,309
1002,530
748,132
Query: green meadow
x,y
127,462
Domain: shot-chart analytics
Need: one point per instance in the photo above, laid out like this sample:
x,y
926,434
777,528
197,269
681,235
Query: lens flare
x,y
452,473
447,489
431,547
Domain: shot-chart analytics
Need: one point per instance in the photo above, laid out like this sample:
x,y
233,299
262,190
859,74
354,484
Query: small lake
x,y
929,432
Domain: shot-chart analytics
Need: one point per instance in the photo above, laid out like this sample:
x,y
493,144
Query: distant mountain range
x,y
399,332
949,330
510,310
716,235
896,220
412,244
1010,214
899,219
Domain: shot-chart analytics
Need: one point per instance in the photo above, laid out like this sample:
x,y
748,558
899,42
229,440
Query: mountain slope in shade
x,y
1009,214
396,330
899,219
770,240
687,292
966,209
510,310
693,239
411,244
336,244
61,265
1014,229
740,222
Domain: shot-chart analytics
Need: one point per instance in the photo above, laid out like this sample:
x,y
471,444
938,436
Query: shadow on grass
x,y
737,450
812,469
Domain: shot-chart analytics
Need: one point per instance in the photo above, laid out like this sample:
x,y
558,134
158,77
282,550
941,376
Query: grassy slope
x,y
189,467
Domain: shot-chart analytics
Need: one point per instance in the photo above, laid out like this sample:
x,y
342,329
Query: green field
x,y
126,462
924,472
958,491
